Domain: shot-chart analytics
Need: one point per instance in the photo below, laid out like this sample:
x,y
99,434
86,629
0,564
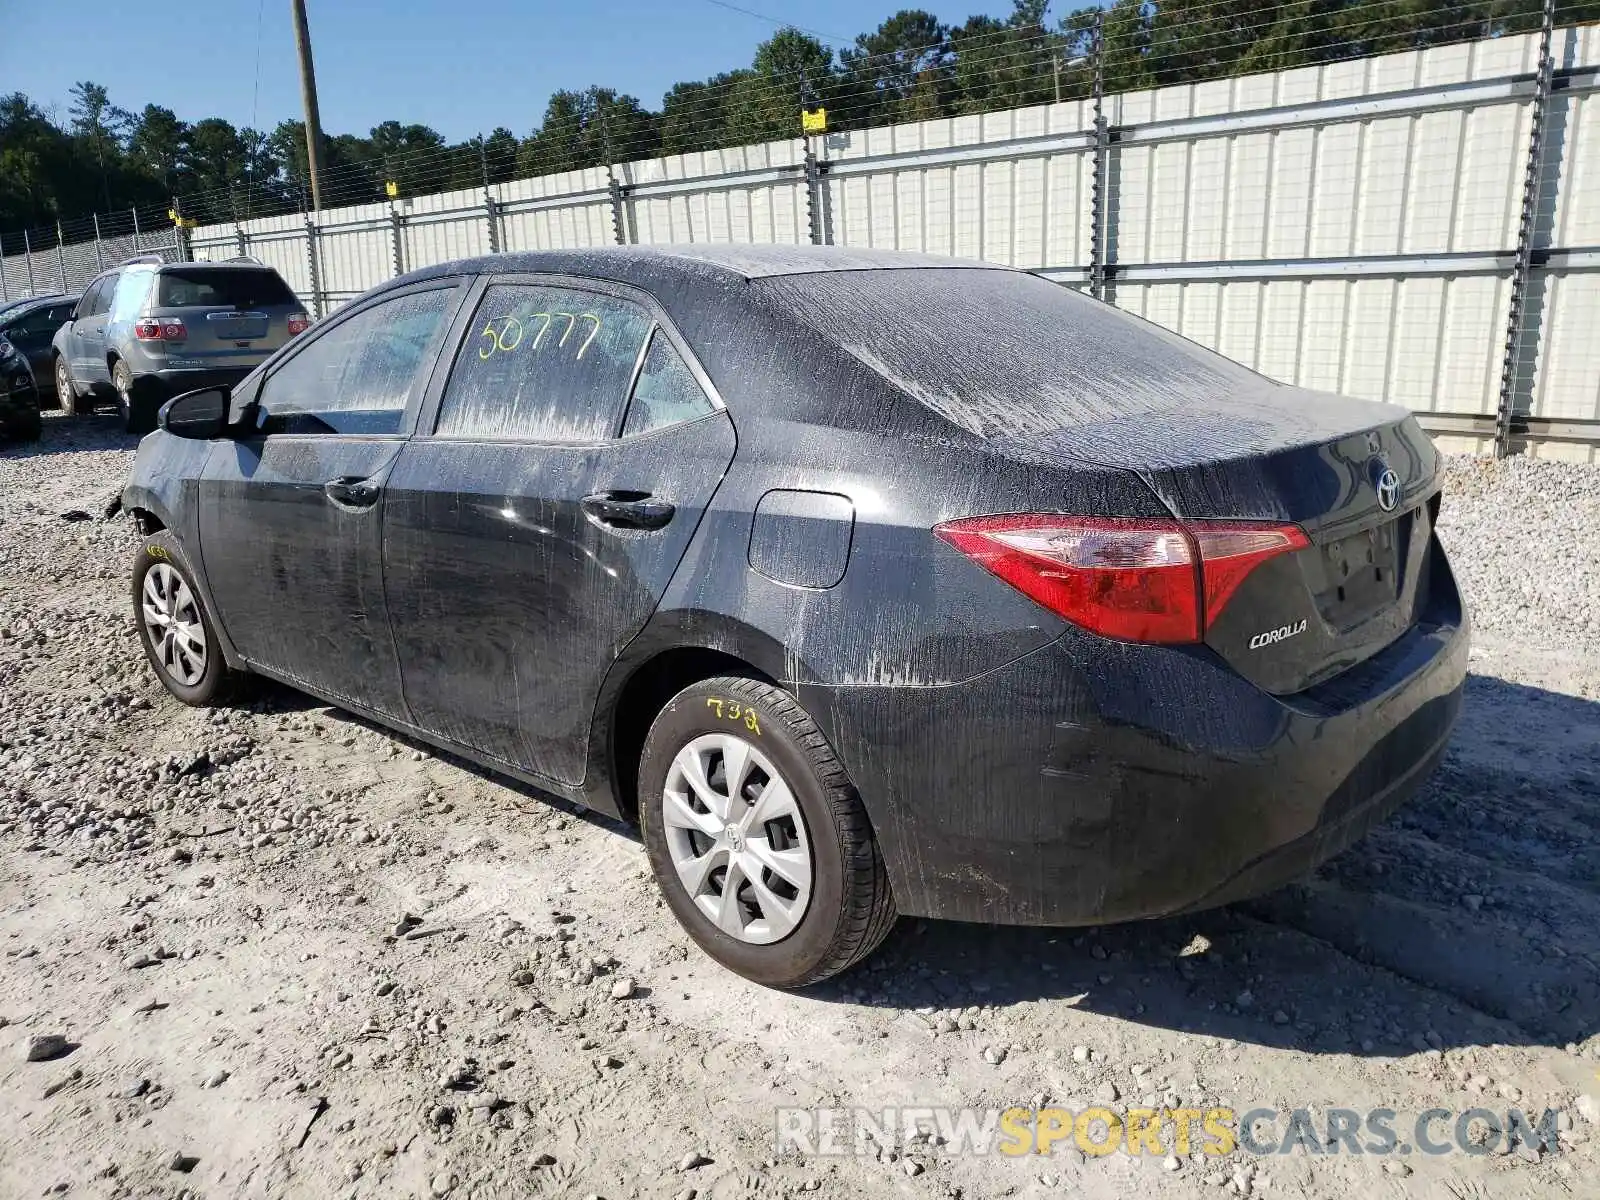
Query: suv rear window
x,y
221,287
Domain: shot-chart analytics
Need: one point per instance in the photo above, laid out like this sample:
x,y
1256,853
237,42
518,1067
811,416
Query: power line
x,y
750,12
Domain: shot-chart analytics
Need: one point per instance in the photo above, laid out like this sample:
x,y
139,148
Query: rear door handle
x,y
352,491
628,510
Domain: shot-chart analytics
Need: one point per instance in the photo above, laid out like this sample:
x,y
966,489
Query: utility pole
x,y
308,94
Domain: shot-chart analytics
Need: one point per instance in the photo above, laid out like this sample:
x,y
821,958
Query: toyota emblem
x,y
1386,483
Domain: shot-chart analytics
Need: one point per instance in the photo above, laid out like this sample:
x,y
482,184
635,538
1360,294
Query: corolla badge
x,y
1272,636
1385,482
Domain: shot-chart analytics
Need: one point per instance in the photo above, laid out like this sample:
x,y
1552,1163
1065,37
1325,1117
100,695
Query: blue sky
x,y
462,66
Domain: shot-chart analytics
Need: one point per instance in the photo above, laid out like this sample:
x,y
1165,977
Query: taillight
x,y
1230,551
1141,580
298,323
163,329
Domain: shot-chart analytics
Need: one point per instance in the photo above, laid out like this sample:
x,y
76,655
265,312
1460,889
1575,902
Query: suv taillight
x,y
1141,580
298,323
166,329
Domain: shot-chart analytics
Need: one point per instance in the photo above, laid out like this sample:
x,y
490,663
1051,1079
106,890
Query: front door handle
x,y
628,510
351,491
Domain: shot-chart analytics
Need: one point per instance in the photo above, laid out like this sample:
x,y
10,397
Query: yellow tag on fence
x,y
814,120
391,189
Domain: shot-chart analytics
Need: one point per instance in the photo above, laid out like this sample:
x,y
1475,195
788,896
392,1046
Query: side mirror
x,y
201,415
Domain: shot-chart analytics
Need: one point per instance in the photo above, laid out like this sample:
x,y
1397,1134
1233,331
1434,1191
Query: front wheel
x,y
757,838
174,627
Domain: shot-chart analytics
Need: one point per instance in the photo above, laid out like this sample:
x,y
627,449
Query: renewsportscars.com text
x,y
1216,1132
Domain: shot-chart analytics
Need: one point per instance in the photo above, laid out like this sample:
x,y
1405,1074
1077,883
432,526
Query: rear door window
x,y
222,287
666,392
98,299
355,377
541,363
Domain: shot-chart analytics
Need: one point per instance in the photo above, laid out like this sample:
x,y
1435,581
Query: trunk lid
x,y
1321,462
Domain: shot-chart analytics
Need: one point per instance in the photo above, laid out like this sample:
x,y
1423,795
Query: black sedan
x,y
29,326
866,583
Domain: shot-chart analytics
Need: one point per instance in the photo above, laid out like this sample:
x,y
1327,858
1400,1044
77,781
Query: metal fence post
x,y
243,239
397,239
136,246
1532,172
4,291
491,210
314,266
27,257
619,228
1097,184
491,214
61,255
99,262
813,194
185,247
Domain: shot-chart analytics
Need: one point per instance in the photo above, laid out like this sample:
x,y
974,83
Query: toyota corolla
x,y
865,583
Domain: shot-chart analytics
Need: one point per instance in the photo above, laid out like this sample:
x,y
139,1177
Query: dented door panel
x,y
297,574
510,600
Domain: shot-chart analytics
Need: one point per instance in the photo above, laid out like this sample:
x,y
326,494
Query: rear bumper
x,y
1093,781
178,380
152,389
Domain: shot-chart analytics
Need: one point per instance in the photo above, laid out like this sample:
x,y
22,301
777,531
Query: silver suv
x,y
150,330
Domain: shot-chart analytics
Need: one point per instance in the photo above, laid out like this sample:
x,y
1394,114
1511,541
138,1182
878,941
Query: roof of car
x,y
204,264
636,264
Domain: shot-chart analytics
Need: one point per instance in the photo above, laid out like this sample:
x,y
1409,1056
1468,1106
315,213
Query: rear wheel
x,y
66,390
138,413
757,839
174,627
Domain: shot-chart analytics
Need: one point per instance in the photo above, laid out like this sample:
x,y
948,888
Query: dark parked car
x,y
19,397
867,583
30,327
149,330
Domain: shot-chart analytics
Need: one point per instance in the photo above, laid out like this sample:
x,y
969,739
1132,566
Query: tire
x,y
819,828
29,426
202,680
66,390
138,415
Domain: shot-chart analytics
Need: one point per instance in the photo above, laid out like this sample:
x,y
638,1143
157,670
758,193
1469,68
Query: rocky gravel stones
x,y
42,1047
192,892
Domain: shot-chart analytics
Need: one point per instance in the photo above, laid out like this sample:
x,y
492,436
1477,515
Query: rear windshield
x,y
222,287
1001,353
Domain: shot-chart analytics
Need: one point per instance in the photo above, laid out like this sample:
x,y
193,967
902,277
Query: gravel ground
x,y
291,955
1525,535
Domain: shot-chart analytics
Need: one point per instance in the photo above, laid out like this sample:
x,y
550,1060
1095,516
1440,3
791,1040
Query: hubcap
x,y
172,619
63,381
737,838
